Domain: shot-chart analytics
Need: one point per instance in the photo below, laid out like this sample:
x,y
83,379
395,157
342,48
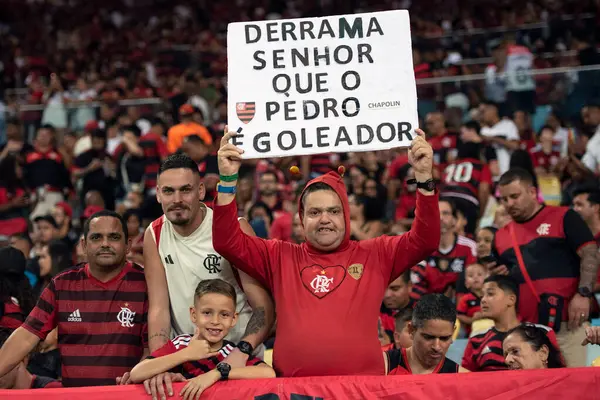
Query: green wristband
x,y
229,178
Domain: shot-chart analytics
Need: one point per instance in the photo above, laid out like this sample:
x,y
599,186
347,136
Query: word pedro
x,y
360,135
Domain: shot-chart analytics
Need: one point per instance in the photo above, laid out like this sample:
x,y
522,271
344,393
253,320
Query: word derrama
x,y
303,30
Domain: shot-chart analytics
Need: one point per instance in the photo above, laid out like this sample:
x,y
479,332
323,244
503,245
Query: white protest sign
x,y
318,85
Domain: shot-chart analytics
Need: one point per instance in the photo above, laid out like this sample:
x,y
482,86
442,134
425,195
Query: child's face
x,y
402,339
214,315
475,277
495,301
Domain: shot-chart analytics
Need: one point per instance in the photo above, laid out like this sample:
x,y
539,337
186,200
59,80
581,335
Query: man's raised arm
x,y
159,313
249,254
405,251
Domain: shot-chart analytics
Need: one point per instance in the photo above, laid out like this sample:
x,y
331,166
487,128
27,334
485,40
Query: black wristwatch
x,y
585,292
245,348
428,185
224,369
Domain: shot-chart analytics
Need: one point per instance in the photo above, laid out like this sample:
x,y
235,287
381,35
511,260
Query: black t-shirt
x,y
96,179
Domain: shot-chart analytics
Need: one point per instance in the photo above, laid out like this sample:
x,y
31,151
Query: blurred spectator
x,y
93,169
396,299
15,142
185,128
484,240
365,217
442,141
63,215
138,159
54,258
586,202
136,233
468,180
297,229
502,134
16,296
268,192
45,172
520,86
199,151
14,198
20,377
591,117
443,271
546,154
260,218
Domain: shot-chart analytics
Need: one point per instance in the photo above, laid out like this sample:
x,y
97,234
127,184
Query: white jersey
x,y
187,261
519,63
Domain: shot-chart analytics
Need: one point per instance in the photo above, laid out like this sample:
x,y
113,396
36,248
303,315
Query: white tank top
x,y
188,260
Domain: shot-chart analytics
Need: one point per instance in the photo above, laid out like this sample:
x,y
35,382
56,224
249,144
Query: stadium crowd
x,y
114,237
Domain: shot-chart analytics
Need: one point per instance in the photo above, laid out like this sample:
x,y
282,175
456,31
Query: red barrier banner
x,y
560,384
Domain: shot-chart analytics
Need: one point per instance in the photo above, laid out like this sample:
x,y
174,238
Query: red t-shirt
x,y
11,221
544,160
192,369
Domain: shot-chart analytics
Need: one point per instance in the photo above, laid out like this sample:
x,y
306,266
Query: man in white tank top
x,y
178,253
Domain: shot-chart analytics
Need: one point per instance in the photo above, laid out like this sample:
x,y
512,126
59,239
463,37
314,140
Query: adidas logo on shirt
x,y
75,316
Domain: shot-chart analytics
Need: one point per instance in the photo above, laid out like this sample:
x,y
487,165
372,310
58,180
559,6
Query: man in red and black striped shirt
x,y
499,302
100,310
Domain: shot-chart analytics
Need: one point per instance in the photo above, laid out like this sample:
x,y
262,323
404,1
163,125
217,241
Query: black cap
x,y
48,218
12,261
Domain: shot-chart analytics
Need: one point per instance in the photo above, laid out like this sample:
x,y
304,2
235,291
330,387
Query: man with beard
x,y
179,253
91,167
552,254
100,310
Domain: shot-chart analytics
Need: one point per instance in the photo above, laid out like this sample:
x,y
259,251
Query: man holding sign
x,y
327,290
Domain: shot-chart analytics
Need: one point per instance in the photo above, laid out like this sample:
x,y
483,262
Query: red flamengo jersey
x,y
398,364
543,160
444,148
102,326
484,352
468,305
441,270
11,316
548,242
463,177
192,369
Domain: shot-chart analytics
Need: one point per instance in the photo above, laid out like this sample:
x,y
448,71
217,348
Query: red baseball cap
x,y
66,208
186,109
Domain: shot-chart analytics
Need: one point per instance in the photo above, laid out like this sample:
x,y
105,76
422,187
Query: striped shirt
x,y
192,369
102,326
11,316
